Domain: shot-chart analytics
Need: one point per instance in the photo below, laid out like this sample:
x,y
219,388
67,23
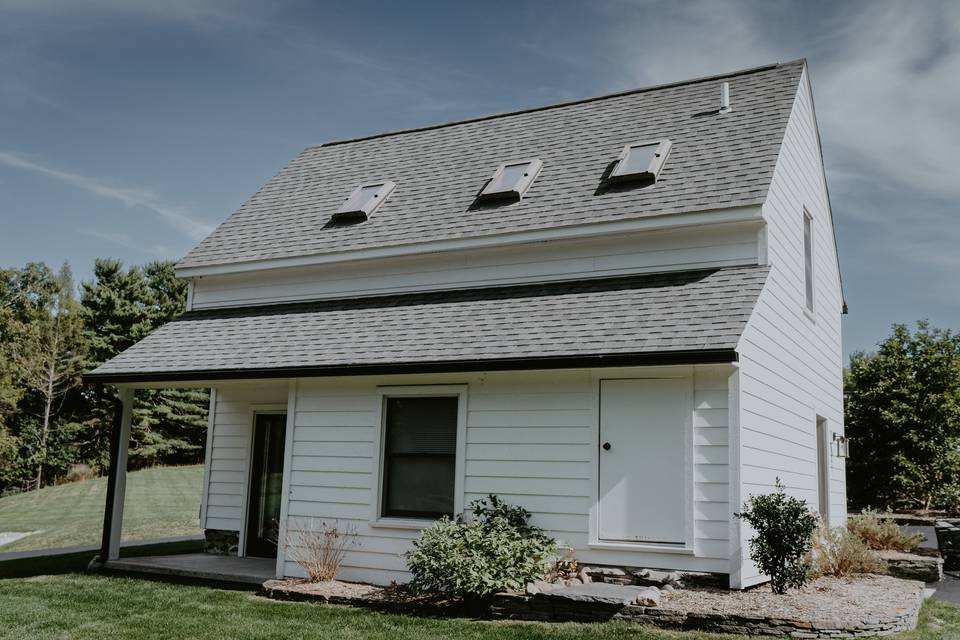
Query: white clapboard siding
x,y
712,246
230,449
530,439
790,361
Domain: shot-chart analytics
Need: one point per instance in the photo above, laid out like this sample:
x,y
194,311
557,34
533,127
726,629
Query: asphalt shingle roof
x,y
717,161
667,313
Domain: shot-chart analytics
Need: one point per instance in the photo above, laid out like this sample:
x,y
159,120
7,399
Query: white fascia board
x,y
579,231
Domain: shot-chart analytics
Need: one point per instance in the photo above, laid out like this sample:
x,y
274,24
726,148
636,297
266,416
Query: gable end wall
x,y
791,362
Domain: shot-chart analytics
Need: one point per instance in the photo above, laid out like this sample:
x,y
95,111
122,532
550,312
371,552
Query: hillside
x,y
160,502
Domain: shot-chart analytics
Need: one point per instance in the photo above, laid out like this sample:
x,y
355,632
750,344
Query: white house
x,y
622,313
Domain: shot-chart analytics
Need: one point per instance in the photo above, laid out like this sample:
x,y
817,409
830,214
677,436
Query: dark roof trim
x,y
661,358
569,103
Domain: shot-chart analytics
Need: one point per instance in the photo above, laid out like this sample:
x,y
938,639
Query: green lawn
x,y
85,606
160,502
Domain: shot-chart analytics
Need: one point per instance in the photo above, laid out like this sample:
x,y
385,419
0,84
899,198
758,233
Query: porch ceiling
x,y
667,318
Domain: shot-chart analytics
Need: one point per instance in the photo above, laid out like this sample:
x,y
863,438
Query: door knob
x,y
606,446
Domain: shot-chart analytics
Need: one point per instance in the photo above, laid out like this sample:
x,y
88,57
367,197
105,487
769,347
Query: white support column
x,y
287,463
116,519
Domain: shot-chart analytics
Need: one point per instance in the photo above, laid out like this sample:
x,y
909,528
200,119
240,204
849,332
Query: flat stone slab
x,y
199,566
595,593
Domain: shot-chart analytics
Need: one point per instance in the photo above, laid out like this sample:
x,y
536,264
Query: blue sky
x,y
129,128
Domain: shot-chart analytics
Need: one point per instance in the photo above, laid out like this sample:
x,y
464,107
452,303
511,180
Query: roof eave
x,y
656,358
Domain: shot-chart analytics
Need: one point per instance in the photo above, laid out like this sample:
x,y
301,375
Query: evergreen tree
x,y
903,417
122,307
172,422
117,314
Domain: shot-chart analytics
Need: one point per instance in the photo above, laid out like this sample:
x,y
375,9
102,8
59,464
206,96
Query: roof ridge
x,y
558,105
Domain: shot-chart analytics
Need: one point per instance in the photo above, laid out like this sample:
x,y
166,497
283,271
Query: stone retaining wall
x,y
541,607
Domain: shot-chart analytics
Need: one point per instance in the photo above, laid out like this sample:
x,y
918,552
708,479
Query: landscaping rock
x,y
598,593
913,567
653,578
649,597
584,576
541,586
221,542
610,575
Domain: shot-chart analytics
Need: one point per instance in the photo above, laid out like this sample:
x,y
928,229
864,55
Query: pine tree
x,y
117,314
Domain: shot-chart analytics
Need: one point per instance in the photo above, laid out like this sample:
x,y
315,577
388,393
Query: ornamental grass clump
x,y
881,533
839,553
783,526
497,550
320,548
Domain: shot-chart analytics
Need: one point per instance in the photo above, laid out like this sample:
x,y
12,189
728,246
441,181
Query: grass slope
x,y
83,606
160,502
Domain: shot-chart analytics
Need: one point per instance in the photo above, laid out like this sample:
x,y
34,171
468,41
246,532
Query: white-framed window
x,y
511,180
641,161
363,201
421,446
808,271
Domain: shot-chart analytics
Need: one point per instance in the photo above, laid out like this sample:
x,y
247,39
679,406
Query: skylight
x,y
641,161
511,180
363,201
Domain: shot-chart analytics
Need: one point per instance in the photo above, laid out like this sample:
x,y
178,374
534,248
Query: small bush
x,y
499,550
783,528
840,553
879,532
320,549
78,472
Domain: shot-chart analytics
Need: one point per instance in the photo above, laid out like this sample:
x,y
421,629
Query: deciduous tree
x,y
903,418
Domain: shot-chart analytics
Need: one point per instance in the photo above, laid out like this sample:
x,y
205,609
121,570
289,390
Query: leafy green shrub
x,y
879,532
783,528
839,552
948,499
498,550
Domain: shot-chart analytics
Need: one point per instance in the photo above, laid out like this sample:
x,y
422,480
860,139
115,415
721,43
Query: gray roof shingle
x,y
717,161
525,326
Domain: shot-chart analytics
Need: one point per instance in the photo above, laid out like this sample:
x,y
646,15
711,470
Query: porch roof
x,y
666,318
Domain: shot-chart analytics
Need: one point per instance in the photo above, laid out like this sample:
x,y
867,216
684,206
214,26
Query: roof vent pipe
x,y
724,97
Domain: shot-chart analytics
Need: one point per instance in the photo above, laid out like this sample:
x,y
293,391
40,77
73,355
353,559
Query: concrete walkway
x,y
199,566
92,549
947,590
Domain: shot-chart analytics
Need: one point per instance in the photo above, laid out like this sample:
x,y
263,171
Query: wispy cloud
x,y
126,241
176,217
885,85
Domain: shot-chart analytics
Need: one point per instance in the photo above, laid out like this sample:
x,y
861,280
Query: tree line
x,y
50,333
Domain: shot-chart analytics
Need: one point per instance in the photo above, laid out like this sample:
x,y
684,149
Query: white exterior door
x,y
643,461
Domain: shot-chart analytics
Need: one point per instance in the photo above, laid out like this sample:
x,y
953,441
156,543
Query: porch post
x,y
117,479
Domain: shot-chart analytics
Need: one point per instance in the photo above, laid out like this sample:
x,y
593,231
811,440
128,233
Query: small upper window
x,y
641,161
511,180
363,201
